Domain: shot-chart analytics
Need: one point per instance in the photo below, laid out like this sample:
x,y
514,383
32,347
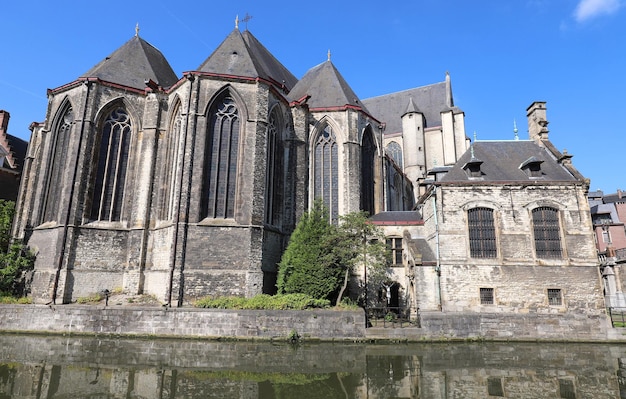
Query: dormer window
x,y
532,167
472,168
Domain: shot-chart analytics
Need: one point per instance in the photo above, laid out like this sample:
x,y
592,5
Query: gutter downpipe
x,y
438,266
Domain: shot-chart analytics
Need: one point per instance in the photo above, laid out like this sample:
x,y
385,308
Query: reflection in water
x,y
61,367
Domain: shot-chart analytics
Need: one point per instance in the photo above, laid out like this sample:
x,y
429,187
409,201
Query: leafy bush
x,y
264,302
94,298
8,300
13,265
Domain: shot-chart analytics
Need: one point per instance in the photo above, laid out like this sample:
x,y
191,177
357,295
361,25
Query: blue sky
x,y
501,55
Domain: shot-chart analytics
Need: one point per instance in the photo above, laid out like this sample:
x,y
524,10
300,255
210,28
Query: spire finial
x,y
328,54
472,146
237,22
246,19
515,129
137,30
475,136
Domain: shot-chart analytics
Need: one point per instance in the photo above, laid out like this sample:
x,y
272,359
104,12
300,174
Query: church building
x,y
183,187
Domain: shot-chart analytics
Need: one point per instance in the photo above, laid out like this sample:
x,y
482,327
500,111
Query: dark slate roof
x,y
615,197
134,63
18,148
241,54
431,100
501,162
326,87
397,217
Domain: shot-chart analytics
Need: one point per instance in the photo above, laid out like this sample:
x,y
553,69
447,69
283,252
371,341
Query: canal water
x,y
79,367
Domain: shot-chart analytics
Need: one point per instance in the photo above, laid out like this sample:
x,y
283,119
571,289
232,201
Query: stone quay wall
x,y
183,322
324,325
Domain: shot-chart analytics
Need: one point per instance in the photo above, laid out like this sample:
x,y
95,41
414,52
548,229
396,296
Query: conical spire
x,y
449,99
241,54
411,108
134,63
326,87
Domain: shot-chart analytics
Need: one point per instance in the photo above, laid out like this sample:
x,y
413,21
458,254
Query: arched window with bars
x,y
368,152
170,168
58,164
275,170
112,163
326,171
482,233
222,148
394,150
547,232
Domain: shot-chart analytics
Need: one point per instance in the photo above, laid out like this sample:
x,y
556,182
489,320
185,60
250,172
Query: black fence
x,y
618,316
389,317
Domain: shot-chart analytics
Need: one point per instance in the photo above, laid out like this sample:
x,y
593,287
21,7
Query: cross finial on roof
x,y
328,54
137,30
237,22
246,19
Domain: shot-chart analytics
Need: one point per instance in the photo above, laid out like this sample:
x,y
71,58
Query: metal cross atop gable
x,y
246,19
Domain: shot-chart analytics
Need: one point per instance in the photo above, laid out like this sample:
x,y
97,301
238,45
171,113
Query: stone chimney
x,y
537,122
4,121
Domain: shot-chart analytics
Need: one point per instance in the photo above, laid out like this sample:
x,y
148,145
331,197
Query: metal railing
x,y
618,316
389,317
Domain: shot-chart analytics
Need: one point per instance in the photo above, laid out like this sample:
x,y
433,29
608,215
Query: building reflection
x,y
56,367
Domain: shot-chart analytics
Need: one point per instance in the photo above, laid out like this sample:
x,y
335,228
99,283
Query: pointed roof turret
x,y
241,54
326,87
134,63
411,108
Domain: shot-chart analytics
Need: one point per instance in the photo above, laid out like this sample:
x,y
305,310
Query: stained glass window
x,y
108,193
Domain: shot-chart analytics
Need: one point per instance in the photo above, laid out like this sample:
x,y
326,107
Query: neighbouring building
x,y
185,187
608,213
12,154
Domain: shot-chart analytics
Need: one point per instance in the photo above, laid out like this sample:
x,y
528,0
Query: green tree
x,y
15,259
7,211
13,265
309,264
320,256
361,244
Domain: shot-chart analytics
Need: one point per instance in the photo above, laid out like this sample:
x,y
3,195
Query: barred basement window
x,y
494,386
554,297
482,233
547,232
486,296
110,179
394,246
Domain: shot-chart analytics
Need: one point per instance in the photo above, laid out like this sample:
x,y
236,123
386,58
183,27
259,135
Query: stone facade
x,y
186,187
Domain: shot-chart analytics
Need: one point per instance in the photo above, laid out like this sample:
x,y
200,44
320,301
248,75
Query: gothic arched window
x,y
395,152
169,168
110,178
222,146
274,178
368,150
326,173
547,232
58,162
